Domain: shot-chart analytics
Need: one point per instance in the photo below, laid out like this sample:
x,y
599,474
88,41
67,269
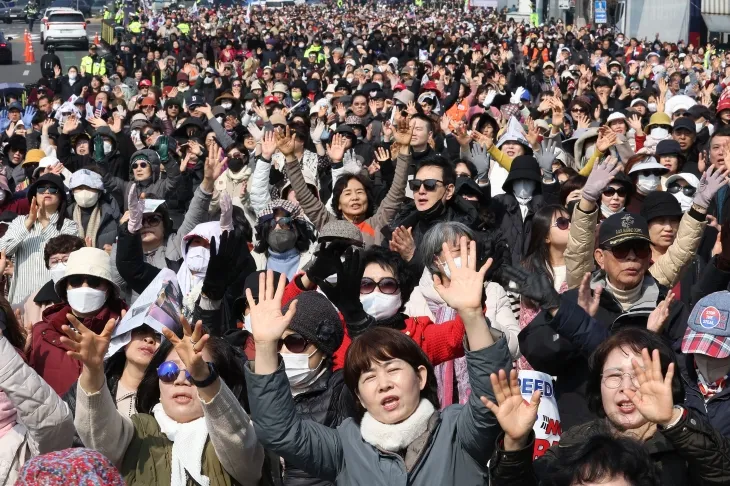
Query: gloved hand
x,y
515,99
316,132
226,212
546,156
327,260
223,266
345,294
4,120
712,180
480,157
98,148
535,286
136,209
491,94
162,148
28,115
601,175
255,132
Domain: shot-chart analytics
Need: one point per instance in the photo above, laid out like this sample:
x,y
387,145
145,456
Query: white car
x,y
66,27
46,13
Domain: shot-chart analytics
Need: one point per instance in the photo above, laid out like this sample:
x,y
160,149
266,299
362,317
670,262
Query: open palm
x,y
654,398
267,321
467,284
85,345
514,414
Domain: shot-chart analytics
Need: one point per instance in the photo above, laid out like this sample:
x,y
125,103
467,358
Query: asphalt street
x,y
19,71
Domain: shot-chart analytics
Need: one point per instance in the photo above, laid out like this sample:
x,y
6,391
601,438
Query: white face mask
x,y
247,323
381,306
107,147
606,211
647,183
58,271
659,133
523,189
72,76
86,198
445,267
227,106
56,106
208,80
699,127
684,201
197,259
297,367
301,45
86,299
3,195
652,107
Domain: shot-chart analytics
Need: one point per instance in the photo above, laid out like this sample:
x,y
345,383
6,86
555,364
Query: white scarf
x,y
187,448
396,437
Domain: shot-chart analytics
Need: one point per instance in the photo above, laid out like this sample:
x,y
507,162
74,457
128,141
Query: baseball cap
x,y
685,123
622,227
145,83
196,100
707,331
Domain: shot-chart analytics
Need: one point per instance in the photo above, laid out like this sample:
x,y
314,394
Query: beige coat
x,y
666,270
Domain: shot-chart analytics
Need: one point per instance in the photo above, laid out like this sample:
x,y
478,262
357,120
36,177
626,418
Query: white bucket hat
x,y
88,261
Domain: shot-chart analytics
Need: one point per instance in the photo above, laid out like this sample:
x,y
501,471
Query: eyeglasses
x,y
294,343
153,220
612,191
686,190
47,189
562,223
141,165
615,379
640,249
56,261
429,184
169,371
77,281
386,285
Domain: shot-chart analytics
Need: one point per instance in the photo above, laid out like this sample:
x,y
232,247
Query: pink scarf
x,y
8,415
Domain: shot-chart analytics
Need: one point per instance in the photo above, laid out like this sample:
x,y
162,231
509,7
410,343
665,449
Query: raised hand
x,y
601,175
659,316
135,204
85,345
382,154
316,132
267,321
32,215
547,155
403,133
226,205
402,242
535,286
336,149
712,180
268,145
190,348
285,142
589,303
606,139
654,398
464,292
213,165
514,414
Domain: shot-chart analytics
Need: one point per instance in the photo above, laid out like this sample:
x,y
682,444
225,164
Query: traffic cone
x,y
96,39
31,56
26,52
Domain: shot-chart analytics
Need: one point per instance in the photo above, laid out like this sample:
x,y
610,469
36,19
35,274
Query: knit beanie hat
x,y
70,466
317,321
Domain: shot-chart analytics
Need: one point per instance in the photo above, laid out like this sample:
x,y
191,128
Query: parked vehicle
x,y
6,51
15,12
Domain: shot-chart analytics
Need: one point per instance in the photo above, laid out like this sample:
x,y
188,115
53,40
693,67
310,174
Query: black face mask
x,y
433,212
236,163
281,240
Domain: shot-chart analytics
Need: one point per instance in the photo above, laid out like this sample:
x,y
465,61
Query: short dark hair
x,y
62,244
340,186
363,95
602,457
575,182
602,82
469,166
723,131
635,339
383,344
447,168
394,262
570,172
427,119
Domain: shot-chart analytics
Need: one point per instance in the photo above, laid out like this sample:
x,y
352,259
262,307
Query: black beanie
x,y
317,321
658,204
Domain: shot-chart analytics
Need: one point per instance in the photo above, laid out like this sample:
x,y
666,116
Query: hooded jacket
x,y
117,161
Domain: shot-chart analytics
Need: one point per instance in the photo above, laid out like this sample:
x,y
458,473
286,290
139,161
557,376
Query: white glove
x,y
515,99
255,132
316,132
491,94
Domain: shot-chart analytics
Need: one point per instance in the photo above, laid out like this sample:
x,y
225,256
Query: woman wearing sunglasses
x,y
190,427
90,295
26,236
616,196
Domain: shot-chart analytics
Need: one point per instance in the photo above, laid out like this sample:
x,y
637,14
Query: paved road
x,y
19,72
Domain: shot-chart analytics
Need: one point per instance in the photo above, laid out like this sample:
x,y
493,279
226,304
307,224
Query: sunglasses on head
x,y
141,165
429,184
294,343
47,189
387,285
562,223
76,281
612,191
169,371
640,249
686,190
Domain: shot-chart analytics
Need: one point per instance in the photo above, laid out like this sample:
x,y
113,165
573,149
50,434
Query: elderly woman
x,y
27,236
94,212
395,385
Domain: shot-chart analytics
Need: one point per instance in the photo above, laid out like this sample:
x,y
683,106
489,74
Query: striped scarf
x,y
94,222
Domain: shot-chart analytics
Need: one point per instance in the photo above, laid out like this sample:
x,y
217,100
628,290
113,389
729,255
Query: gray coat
x,y
461,440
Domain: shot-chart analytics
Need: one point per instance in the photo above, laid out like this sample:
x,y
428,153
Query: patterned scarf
x,y
94,222
709,390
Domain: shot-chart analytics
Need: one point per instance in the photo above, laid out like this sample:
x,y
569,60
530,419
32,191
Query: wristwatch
x,y
208,381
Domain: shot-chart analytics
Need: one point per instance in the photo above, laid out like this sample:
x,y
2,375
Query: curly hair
x,y
390,260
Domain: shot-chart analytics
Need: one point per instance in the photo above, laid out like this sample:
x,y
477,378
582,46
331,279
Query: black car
x,y
14,11
81,5
6,51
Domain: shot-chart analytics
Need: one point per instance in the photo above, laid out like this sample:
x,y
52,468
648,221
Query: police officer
x,y
31,10
135,27
93,64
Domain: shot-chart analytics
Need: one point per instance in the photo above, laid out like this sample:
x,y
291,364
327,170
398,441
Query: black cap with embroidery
x,y
622,227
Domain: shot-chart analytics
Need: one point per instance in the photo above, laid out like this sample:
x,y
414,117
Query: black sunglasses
x,y
141,165
153,220
76,281
641,249
148,133
578,110
429,184
47,189
562,223
612,191
686,190
294,343
387,285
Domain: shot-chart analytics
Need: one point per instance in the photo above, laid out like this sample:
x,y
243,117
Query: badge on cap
x,y
710,317
627,221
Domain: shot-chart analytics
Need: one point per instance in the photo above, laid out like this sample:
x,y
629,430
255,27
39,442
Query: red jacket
x,y
440,342
47,355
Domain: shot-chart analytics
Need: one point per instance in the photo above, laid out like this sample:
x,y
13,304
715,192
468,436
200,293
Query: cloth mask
x,y
699,127
296,96
197,259
712,368
58,271
86,198
297,367
235,164
107,147
381,306
659,133
523,189
226,106
281,240
684,201
647,183
86,299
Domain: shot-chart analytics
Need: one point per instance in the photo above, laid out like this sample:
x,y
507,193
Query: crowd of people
x,y
378,245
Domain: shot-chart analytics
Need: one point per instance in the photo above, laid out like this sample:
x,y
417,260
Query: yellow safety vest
x,y
107,15
93,68
135,27
184,28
